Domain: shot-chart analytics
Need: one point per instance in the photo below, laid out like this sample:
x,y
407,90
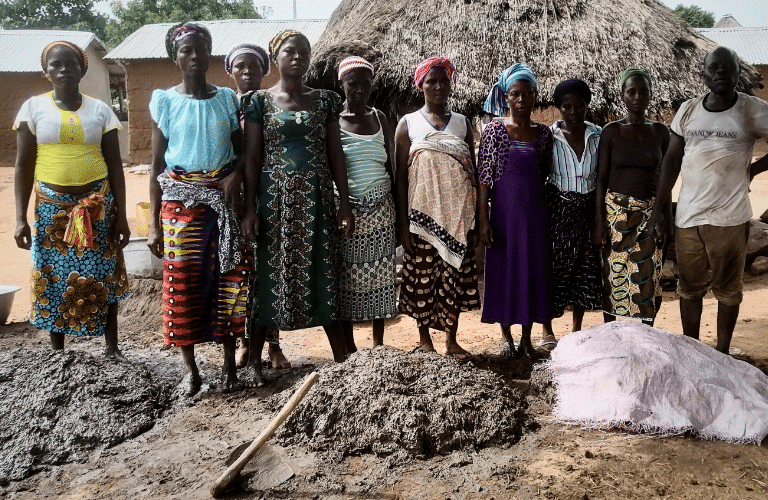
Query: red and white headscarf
x,y
434,62
353,62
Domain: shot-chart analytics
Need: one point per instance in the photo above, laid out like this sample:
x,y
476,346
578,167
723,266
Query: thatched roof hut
x,y
591,39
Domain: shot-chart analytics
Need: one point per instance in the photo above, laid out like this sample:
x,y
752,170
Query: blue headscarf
x,y
496,103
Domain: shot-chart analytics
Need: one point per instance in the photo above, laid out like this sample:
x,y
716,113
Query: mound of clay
x,y
57,407
140,315
385,401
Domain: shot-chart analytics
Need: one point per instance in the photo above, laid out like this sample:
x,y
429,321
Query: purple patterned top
x,y
495,146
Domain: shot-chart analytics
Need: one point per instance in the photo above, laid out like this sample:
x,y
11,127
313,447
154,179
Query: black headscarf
x,y
571,86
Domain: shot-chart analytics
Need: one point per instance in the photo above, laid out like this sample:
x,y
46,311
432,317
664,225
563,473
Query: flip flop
x,y
508,351
549,345
420,348
461,357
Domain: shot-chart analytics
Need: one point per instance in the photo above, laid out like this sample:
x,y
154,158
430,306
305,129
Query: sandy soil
x,y
187,448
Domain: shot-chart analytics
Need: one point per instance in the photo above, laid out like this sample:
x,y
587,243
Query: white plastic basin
x,y
6,301
139,261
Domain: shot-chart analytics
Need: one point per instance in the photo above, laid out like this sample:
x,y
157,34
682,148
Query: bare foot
x,y
252,376
229,380
230,383
190,384
241,356
457,352
277,358
115,354
424,348
526,349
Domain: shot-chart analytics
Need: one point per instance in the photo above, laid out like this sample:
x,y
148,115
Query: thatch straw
x,y
591,39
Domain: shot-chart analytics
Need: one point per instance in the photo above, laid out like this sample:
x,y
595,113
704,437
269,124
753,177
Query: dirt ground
x,y
187,449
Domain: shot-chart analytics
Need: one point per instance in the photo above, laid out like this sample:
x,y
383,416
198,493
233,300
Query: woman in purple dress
x,y
515,158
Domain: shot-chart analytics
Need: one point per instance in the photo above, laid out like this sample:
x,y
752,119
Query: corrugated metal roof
x,y
20,49
751,44
148,42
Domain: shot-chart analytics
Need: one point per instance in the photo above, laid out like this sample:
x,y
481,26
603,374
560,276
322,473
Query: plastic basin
x,y
6,301
139,261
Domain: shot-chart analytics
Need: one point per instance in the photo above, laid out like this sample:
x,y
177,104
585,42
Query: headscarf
x,y
277,40
353,62
247,48
434,62
184,30
629,73
496,103
571,86
80,53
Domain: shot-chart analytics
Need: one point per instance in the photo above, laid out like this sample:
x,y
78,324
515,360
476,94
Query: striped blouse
x,y
568,172
366,156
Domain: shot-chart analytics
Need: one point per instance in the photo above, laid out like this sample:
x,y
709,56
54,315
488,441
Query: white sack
x,y
632,376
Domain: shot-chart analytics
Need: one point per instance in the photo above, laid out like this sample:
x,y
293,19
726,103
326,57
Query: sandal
x,y
508,351
549,345
461,357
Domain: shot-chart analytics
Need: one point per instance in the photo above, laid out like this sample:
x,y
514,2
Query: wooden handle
x,y
223,482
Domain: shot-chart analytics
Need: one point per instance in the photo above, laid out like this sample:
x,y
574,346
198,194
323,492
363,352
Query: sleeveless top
x,y
419,127
366,156
68,142
635,167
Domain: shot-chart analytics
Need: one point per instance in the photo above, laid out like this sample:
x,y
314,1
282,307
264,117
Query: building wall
x,y
95,82
17,88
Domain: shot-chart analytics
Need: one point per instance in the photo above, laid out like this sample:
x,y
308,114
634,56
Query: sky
x,y
749,13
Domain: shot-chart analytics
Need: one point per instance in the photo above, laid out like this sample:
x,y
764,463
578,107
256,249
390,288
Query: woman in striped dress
x,y
367,275
570,193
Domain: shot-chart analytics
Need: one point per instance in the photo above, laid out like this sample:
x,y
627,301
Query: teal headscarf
x,y
496,103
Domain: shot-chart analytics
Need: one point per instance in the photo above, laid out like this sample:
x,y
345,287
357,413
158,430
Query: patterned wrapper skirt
x,y
367,276
632,267
200,303
296,268
72,286
433,292
577,276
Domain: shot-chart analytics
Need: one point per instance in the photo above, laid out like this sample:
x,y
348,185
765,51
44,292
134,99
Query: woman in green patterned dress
x,y
293,158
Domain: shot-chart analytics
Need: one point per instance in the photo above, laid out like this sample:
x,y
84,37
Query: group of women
x,y
278,209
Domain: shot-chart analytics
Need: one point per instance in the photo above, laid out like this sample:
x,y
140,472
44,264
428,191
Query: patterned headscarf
x,y
496,102
572,86
184,30
277,40
247,48
80,53
433,62
353,62
629,73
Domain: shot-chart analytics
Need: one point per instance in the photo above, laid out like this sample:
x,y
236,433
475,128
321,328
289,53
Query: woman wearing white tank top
x,y
435,158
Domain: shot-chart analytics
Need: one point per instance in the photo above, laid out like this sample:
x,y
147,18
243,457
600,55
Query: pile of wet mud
x,y
60,406
140,315
542,394
385,401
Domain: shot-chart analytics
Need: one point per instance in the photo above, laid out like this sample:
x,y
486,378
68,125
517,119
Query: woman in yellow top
x,y
67,149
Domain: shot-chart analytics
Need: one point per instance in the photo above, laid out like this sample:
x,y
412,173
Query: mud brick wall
x,y
145,75
17,88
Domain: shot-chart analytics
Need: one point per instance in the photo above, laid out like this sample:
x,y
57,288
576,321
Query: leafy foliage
x,y
77,15
131,15
695,16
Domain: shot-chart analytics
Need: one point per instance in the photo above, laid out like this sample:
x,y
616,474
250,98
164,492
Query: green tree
x,y
695,16
130,15
76,15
